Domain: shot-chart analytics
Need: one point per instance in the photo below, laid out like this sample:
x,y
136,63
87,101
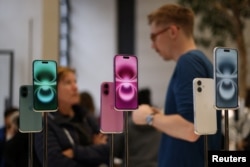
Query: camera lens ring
x,y
199,82
199,89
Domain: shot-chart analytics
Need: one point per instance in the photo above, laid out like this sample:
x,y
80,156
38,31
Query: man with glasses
x,y
172,38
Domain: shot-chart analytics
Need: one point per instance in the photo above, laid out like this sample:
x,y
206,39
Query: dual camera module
x,y
199,83
24,91
106,89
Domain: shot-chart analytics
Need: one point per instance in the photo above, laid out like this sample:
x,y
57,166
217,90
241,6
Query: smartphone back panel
x,y
45,85
205,116
126,82
111,121
226,78
29,121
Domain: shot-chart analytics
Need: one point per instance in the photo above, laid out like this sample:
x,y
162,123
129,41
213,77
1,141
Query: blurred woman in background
x,y
73,139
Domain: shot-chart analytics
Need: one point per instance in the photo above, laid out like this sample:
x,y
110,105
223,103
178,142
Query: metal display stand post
x,y
30,149
126,150
226,137
111,162
206,149
45,143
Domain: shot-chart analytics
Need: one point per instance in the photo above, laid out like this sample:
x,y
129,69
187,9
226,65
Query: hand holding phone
x,y
126,82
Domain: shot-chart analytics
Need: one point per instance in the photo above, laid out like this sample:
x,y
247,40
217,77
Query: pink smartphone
x,y
126,82
111,121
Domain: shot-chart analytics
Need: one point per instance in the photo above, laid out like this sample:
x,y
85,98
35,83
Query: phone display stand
x,y
126,146
111,158
125,143
226,137
206,149
31,143
30,163
111,150
30,148
45,137
226,82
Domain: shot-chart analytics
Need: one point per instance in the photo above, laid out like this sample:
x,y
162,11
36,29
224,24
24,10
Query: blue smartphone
x,y
45,86
226,78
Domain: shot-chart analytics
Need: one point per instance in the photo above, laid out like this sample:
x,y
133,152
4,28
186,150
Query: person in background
x,y
8,130
73,141
14,144
87,103
171,28
143,140
241,126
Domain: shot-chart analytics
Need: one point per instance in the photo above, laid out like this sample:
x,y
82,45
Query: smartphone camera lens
x,y
199,89
106,92
24,91
199,82
106,86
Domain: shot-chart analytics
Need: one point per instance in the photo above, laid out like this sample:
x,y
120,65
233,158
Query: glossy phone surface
x,y
30,121
111,121
45,85
226,78
126,82
205,116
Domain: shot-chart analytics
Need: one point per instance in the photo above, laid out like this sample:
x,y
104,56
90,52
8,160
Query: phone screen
x,y
30,121
126,82
226,78
111,121
45,85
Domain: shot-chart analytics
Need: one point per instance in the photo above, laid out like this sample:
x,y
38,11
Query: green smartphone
x,y
29,121
45,86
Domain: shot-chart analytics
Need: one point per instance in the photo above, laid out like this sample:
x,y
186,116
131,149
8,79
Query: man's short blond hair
x,y
174,14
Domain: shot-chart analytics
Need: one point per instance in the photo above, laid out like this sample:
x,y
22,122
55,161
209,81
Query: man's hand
x,y
139,115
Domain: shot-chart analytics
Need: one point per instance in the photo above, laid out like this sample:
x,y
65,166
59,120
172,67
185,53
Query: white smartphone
x,y
226,78
205,116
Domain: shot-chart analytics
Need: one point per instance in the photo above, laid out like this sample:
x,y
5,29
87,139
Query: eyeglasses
x,y
154,35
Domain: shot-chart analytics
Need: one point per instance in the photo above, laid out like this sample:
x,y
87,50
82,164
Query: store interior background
x,y
93,37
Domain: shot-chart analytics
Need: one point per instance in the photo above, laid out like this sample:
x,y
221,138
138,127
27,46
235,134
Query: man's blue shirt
x,y
179,100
